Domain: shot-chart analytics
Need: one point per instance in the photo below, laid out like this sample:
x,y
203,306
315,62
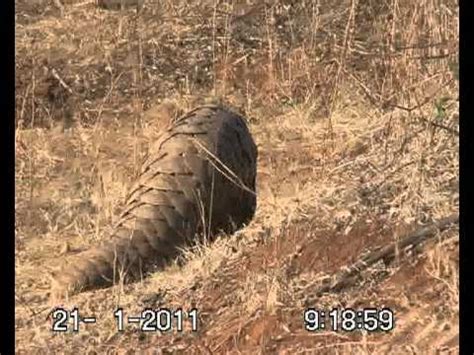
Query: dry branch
x,y
348,276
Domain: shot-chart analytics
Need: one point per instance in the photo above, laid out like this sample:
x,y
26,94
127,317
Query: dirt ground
x,y
354,109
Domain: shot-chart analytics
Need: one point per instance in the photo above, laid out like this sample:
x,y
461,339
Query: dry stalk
x,y
348,276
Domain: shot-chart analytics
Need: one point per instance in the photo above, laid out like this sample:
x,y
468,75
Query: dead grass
x,y
354,110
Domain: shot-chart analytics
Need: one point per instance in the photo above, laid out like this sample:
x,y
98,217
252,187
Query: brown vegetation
x,y
353,106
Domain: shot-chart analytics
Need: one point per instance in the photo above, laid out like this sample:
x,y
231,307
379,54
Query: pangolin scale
x,y
199,178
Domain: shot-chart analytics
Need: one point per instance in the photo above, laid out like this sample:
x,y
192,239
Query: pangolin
x,y
199,179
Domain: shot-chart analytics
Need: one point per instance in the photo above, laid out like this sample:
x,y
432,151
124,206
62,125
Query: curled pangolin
x,y
199,178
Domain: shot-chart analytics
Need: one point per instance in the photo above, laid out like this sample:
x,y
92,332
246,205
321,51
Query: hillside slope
x,y
354,111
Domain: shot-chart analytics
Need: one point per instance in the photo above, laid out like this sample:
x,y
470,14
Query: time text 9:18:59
x,y
349,320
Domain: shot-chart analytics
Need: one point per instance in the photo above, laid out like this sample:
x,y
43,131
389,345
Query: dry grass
x,y
354,109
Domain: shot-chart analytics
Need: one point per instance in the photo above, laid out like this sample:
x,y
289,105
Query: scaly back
x,y
199,178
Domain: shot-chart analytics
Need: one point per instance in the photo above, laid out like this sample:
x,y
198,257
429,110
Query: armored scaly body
x,y
199,178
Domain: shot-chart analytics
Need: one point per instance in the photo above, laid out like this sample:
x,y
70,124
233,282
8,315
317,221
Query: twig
x,y
348,276
441,126
425,100
104,100
61,81
225,171
33,312
88,2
